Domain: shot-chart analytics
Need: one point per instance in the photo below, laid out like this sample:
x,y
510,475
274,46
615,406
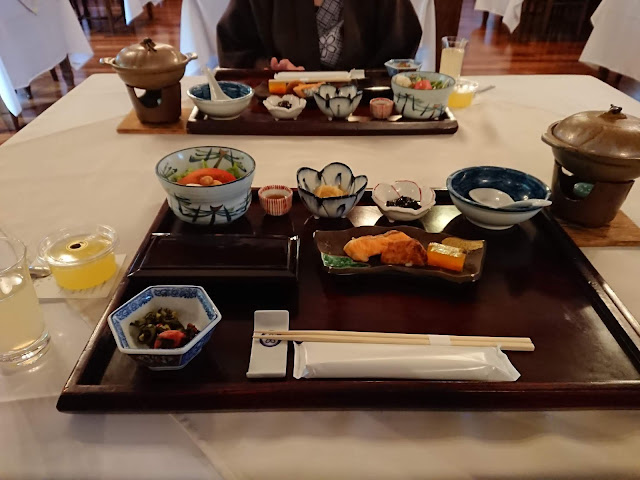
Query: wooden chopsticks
x,y
522,344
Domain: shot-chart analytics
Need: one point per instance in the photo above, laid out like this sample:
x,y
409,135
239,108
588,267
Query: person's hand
x,y
284,64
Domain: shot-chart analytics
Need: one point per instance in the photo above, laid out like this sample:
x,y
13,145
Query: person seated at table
x,y
316,34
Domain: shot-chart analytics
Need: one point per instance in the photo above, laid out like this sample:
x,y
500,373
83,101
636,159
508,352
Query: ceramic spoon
x,y
214,86
494,198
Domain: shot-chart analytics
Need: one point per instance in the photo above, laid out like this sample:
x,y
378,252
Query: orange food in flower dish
x,y
445,256
207,177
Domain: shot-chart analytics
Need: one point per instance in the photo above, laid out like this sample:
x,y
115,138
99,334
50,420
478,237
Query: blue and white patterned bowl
x,y
519,186
337,102
422,104
191,303
215,204
240,94
335,174
394,66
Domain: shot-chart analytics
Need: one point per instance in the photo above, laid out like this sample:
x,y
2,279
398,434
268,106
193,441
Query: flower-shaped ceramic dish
x,y
518,185
399,65
335,174
213,204
240,96
422,104
337,102
191,303
281,113
384,192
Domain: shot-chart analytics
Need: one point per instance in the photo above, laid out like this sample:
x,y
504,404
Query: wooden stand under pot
x,y
157,69
601,152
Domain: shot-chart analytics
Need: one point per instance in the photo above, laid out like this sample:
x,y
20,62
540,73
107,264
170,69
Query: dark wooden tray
x,y
256,120
535,283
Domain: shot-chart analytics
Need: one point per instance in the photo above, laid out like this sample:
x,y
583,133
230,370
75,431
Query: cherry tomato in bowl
x,y
423,85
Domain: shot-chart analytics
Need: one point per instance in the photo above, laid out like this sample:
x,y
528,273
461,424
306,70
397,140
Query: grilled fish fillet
x,y
361,248
405,252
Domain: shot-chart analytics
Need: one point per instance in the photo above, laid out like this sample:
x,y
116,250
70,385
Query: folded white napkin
x,y
419,362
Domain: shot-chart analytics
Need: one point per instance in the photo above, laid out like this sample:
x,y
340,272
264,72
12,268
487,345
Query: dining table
x,y
613,43
69,166
509,10
133,8
35,36
199,18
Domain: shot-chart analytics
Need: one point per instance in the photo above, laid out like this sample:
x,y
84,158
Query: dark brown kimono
x,y
252,31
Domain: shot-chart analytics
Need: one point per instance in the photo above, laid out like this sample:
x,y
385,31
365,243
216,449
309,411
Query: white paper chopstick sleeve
x,y
419,362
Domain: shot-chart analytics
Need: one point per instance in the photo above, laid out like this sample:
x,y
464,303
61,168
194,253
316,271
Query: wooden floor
x,y
491,51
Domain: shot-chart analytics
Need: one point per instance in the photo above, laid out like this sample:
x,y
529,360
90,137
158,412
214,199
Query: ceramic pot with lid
x,y
597,145
601,149
149,65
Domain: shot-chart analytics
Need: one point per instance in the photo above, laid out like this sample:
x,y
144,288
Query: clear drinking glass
x,y
452,55
23,336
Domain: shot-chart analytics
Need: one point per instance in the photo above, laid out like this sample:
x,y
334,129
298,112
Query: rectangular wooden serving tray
x,y
535,283
256,120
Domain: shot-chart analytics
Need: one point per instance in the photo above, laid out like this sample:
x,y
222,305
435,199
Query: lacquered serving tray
x,y
535,283
256,120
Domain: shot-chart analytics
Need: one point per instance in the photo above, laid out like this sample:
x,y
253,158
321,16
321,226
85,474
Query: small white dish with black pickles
x,y
403,200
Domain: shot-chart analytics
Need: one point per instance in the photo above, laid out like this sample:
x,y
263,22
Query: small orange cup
x,y
381,107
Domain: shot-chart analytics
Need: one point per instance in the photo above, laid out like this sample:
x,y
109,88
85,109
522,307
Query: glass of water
x,y
24,337
452,55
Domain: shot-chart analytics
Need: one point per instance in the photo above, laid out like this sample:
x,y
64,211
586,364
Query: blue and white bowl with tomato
x,y
421,95
207,185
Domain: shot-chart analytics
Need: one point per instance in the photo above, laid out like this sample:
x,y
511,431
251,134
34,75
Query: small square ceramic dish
x,y
191,303
385,192
399,65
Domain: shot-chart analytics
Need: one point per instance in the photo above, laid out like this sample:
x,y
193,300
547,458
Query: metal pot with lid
x,y
601,150
149,65
597,145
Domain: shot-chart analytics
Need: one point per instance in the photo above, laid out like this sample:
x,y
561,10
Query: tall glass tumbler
x,y
453,49
23,335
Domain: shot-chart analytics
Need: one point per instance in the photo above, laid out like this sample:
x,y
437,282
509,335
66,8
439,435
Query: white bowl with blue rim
x,y
399,65
240,96
213,204
518,185
337,102
335,174
422,104
191,303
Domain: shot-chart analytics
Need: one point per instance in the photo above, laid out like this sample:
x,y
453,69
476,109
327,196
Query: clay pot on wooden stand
x,y
597,158
156,68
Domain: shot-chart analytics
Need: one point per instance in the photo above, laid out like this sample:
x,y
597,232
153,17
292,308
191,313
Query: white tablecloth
x,y
614,42
95,175
133,8
198,32
509,10
33,43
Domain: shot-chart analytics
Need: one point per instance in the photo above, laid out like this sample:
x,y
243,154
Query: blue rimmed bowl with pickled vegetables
x,y
421,95
207,185
165,326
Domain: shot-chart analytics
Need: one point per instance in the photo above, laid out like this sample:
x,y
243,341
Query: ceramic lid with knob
x,y
602,145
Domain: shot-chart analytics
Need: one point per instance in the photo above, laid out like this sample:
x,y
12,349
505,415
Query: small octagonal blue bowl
x,y
191,303
519,186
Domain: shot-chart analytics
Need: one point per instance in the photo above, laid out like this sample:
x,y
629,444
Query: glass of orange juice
x,y
24,337
463,93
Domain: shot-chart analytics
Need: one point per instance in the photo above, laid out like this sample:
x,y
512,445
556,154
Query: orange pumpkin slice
x,y
445,256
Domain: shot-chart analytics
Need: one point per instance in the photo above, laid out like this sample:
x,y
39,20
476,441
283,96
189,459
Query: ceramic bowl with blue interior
x,y
239,93
422,104
517,184
191,303
337,102
337,175
207,205
399,65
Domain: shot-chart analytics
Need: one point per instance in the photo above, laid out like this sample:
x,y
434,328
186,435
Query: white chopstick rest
x,y
269,357
412,362
440,340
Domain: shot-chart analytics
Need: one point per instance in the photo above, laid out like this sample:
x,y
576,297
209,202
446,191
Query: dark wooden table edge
x,y
76,397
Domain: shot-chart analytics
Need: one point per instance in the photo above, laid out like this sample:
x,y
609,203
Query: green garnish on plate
x,y
337,261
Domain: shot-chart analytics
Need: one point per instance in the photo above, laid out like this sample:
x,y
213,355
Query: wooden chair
x,y
447,22
13,120
67,75
112,16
